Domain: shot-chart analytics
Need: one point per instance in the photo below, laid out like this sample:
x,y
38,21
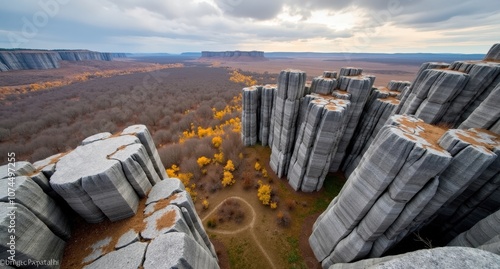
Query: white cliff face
x,y
22,60
48,59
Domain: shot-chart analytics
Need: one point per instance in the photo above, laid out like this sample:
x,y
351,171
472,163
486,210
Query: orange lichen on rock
x,y
166,220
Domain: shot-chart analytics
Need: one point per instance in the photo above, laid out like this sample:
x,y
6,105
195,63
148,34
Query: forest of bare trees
x,y
36,125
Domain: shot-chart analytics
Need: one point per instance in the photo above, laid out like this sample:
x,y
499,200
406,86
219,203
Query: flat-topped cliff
x,y
234,55
22,59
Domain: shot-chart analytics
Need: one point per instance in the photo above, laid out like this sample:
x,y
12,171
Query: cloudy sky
x,y
468,26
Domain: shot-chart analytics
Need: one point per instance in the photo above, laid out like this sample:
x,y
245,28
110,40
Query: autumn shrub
x,y
219,157
189,147
204,112
283,219
190,165
161,137
290,204
170,154
202,161
214,186
230,210
212,223
264,193
228,179
248,183
232,145
214,173
216,141
204,148
257,166
229,166
205,204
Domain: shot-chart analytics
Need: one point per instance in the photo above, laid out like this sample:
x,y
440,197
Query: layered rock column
x,y
266,108
433,93
484,182
481,74
249,117
356,89
486,115
317,140
291,88
484,235
257,115
323,85
402,160
380,106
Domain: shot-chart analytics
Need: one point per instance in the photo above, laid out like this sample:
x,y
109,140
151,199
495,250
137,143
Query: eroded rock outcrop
x,y
103,178
380,106
409,177
290,90
377,191
445,257
317,139
22,60
484,235
173,236
48,59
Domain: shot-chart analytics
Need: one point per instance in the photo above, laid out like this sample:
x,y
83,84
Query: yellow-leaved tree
x,y
217,141
257,166
202,161
264,193
219,157
229,166
228,179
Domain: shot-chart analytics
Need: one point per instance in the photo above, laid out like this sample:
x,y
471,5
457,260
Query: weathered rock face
x,y
410,176
48,59
33,240
173,237
291,88
380,106
103,178
445,257
82,55
21,60
405,174
450,94
233,54
484,235
486,115
494,53
377,191
317,139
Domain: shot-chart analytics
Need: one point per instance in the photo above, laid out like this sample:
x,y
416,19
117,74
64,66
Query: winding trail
x,y
249,226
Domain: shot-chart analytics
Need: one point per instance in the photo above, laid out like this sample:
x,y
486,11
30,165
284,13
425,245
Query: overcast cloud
x,y
175,26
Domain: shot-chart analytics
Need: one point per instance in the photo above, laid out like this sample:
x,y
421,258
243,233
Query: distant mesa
x,y
23,59
237,56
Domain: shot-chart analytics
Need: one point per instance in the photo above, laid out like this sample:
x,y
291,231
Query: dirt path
x,y
247,227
